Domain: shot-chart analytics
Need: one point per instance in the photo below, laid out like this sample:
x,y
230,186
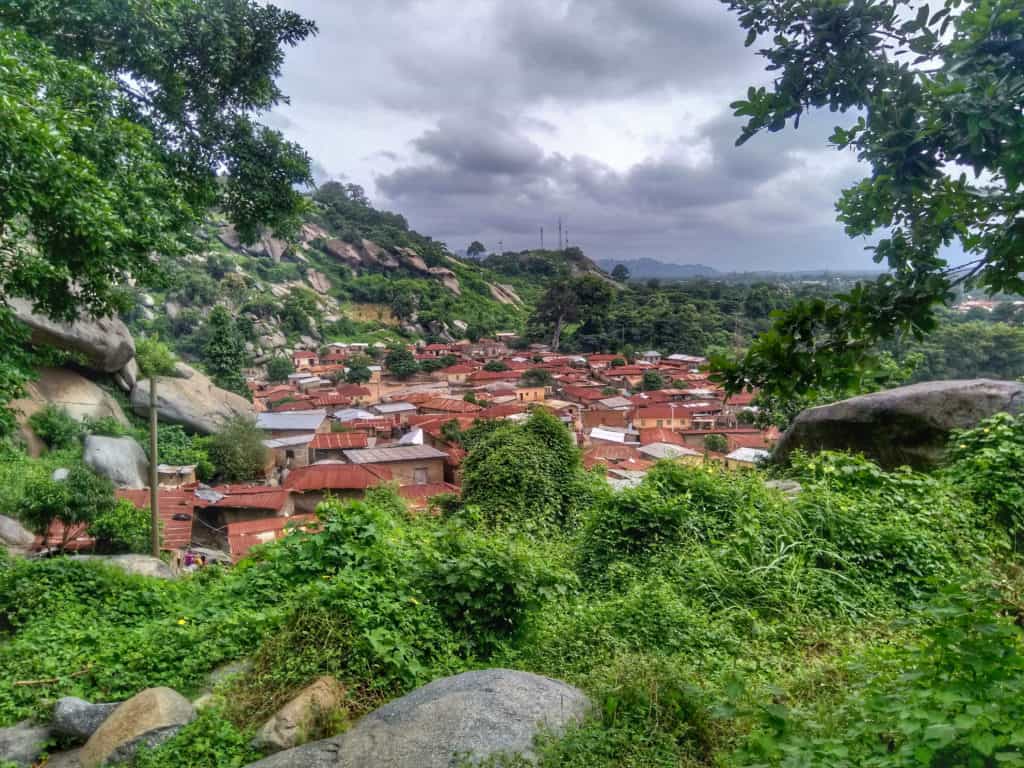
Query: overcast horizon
x,y
491,122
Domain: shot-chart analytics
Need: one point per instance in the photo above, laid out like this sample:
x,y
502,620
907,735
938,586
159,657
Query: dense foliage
x,y
711,619
237,451
928,90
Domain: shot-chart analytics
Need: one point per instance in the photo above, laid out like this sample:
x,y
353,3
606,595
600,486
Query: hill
x,y
646,269
350,273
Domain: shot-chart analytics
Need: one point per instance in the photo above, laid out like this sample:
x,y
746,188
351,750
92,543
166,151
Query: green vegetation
x,y
224,351
871,620
176,112
279,368
400,363
957,106
237,451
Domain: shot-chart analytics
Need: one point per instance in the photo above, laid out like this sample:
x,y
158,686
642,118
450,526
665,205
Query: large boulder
x,y
77,719
104,343
21,744
119,459
14,534
194,402
907,425
302,718
472,716
71,391
147,719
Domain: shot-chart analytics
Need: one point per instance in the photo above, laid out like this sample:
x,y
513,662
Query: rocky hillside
x,y
350,273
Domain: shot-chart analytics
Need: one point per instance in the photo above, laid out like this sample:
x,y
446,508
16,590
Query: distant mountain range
x,y
646,268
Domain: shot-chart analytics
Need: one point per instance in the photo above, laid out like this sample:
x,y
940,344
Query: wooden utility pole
x,y
154,476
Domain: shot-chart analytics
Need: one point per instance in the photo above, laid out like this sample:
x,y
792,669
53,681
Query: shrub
x,y
55,427
209,741
279,368
77,500
986,463
485,585
237,451
122,528
529,475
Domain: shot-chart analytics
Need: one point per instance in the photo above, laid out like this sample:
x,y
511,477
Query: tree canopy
x,y
933,99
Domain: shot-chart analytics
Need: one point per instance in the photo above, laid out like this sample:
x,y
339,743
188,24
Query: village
x,y
329,438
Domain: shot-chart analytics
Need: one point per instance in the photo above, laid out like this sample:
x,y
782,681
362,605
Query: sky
x,y
489,119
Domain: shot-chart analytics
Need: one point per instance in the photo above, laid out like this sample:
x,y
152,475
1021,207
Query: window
x,y
419,476
660,423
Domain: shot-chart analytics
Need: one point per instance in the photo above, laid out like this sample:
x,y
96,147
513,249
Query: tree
x,y
73,501
536,377
358,374
652,381
620,273
716,443
476,249
401,363
224,352
495,366
570,301
109,80
957,105
528,474
120,131
279,368
238,451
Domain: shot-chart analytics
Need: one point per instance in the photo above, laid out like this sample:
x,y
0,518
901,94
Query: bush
x,y
77,500
237,451
209,741
485,585
279,368
177,447
55,427
529,475
986,463
122,528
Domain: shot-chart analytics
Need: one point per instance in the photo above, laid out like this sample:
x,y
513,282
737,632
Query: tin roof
x,y
395,453
306,421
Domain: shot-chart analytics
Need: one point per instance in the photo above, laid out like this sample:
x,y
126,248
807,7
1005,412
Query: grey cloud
x,y
503,186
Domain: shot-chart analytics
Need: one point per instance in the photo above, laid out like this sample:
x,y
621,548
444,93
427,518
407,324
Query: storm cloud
x,y
488,120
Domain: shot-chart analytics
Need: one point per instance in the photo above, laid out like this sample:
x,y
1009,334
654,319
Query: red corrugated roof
x,y
353,390
244,536
660,435
337,441
503,411
371,425
337,477
175,534
450,405
303,354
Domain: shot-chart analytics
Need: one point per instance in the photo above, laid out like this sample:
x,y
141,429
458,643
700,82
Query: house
x,y
456,374
438,350
668,415
614,403
175,476
408,464
176,509
746,458
222,505
601,362
449,405
598,417
488,377
310,485
303,359
583,395
399,412
651,356
243,536
613,436
671,452
628,375
359,395
330,401
289,452
332,445
687,362
530,394
293,424
650,435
